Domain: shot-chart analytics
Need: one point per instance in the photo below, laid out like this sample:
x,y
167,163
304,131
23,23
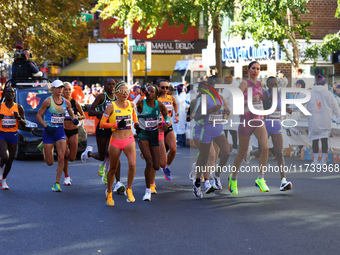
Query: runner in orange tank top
x,y
11,114
169,135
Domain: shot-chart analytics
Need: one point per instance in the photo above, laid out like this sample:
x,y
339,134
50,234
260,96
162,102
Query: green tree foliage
x,y
274,20
152,14
50,29
329,45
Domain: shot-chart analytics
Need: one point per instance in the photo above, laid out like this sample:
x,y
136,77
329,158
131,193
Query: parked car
x,y
30,136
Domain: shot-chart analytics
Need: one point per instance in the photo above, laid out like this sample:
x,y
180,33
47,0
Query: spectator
x,y
77,93
282,80
298,73
180,98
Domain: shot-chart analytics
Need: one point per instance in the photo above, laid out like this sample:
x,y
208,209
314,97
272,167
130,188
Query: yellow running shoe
x,y
109,200
130,197
232,186
153,188
261,183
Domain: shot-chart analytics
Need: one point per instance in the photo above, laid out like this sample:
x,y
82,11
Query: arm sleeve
x,y
105,124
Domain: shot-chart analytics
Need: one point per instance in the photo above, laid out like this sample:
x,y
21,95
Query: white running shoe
x,y
192,174
248,157
67,181
119,188
4,184
147,196
208,188
234,152
285,186
217,183
197,191
84,156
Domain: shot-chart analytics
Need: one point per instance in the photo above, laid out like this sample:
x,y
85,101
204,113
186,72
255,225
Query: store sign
x,y
171,47
247,51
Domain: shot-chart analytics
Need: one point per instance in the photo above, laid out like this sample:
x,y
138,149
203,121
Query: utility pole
x,y
128,32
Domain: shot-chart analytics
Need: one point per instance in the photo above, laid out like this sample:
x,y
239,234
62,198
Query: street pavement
x,y
35,220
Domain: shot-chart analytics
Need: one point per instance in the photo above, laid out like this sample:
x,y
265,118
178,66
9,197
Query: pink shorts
x,y
121,143
160,136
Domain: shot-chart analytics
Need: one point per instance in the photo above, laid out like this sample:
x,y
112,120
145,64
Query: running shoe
x,y
208,188
167,174
232,186
261,184
147,196
192,174
119,188
129,194
248,157
40,147
285,185
104,178
234,152
197,190
67,181
56,187
101,170
109,200
217,183
4,184
84,155
153,189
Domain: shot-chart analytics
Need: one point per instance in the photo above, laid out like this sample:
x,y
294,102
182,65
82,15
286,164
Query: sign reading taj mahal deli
x,y
175,47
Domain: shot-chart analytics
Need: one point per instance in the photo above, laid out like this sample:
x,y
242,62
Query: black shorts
x,y
103,133
150,136
71,132
170,128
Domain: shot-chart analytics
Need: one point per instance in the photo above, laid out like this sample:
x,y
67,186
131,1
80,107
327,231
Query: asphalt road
x,y
35,220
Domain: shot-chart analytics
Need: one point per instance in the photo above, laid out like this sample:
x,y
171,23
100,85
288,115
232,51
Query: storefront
x,y
237,56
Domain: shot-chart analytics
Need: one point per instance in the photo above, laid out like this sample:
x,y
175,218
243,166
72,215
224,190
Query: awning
x,y
161,65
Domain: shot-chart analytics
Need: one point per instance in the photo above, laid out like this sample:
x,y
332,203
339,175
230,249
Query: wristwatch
x,y
177,114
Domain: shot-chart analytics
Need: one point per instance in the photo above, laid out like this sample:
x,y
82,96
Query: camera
x,y
19,53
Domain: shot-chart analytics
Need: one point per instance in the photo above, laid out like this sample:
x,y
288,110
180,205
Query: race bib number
x,y
258,105
57,119
151,123
216,118
8,121
275,115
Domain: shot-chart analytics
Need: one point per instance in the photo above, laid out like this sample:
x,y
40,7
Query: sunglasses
x,y
165,87
123,91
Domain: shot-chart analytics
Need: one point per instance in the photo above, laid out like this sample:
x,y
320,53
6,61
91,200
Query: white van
x,y
188,70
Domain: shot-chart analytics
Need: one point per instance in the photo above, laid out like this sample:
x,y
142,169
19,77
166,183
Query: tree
x,y
50,29
329,45
153,14
274,20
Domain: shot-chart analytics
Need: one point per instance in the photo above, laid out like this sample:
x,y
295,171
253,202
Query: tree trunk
x,y
218,50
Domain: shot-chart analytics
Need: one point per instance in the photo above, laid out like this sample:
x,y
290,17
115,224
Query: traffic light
x,y
125,40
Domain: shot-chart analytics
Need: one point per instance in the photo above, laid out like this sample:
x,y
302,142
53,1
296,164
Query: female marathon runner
x,y
211,131
11,114
149,111
103,135
51,115
120,115
251,123
71,130
169,135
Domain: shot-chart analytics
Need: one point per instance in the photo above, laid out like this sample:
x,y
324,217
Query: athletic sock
x,y
261,176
